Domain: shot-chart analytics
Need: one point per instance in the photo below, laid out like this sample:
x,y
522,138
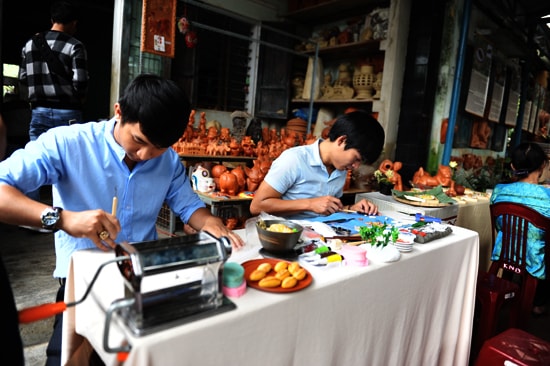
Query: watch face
x,y
50,217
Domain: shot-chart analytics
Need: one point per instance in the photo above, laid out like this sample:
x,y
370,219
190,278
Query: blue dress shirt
x,y
300,173
85,166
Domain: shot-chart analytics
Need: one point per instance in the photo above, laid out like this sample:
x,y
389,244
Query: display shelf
x,y
334,101
349,50
217,158
324,11
190,160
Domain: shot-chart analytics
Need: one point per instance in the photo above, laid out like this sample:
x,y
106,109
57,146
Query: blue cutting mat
x,y
353,220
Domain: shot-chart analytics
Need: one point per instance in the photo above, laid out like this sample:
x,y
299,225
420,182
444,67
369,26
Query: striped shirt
x,y
48,89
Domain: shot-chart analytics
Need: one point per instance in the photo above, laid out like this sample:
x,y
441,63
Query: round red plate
x,y
251,265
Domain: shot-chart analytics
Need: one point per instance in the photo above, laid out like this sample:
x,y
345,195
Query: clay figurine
x,y
443,177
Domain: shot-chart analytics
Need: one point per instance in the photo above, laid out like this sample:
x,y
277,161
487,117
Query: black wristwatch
x,y
50,217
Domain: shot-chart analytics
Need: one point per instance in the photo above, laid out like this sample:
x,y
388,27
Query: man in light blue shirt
x,y
306,181
87,165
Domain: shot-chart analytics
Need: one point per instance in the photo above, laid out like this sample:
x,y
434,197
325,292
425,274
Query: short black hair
x,y
160,106
63,12
363,132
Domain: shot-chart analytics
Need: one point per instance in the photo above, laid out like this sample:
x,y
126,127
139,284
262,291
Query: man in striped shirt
x,y
56,75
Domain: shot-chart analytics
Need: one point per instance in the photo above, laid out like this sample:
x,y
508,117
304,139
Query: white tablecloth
x,y
476,216
472,214
417,311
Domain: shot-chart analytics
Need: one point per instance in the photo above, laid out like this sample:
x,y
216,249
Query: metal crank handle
x,y
116,305
45,311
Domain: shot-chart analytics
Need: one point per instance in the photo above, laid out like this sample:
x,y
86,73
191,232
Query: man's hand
x,y
97,225
325,205
366,207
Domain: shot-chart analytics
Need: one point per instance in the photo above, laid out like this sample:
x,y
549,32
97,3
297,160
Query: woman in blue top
x,y
528,164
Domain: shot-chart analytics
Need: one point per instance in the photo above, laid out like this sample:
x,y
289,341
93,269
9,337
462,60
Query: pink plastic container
x,y
234,291
354,255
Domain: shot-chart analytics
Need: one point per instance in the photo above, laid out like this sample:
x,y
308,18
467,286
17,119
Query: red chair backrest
x,y
516,219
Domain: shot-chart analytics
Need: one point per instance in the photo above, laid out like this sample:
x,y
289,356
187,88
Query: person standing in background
x,y
54,69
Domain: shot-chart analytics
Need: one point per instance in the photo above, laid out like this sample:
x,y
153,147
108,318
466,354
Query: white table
x,y
476,216
417,311
472,214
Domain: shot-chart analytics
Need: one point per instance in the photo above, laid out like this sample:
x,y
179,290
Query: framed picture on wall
x,y
476,100
513,96
497,95
158,27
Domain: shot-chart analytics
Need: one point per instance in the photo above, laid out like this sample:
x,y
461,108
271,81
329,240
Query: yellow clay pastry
x,y
289,282
270,281
293,267
266,267
257,275
299,274
283,274
280,266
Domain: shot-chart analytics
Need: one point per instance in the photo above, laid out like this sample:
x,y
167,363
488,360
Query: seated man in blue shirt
x,y
88,164
306,181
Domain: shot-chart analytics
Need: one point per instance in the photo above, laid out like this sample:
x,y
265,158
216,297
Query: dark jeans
x,y
53,351
45,118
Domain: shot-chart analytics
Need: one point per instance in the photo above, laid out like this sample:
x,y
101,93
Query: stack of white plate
x,y
405,242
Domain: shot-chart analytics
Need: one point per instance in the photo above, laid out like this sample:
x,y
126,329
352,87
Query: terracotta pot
x,y
459,189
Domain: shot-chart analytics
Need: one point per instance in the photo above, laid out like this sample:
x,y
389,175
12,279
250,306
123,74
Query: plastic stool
x,y
517,346
491,293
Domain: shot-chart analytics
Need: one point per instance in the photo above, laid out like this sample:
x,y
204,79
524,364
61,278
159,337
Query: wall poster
x,y
497,96
479,79
158,27
513,96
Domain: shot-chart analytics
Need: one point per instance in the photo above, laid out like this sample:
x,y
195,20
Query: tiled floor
x,y
29,259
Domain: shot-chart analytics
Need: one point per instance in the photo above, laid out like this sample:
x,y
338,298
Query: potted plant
x,y
384,180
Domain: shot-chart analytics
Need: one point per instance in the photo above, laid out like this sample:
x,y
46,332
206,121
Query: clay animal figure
x,y
386,165
223,149
241,177
235,147
247,145
443,177
229,183
216,172
225,134
255,176
202,124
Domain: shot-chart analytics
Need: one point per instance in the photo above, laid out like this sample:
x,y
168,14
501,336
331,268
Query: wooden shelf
x,y
218,197
349,49
217,158
324,11
334,101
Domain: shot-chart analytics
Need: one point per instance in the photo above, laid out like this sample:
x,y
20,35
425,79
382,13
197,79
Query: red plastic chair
x,y
507,279
514,347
